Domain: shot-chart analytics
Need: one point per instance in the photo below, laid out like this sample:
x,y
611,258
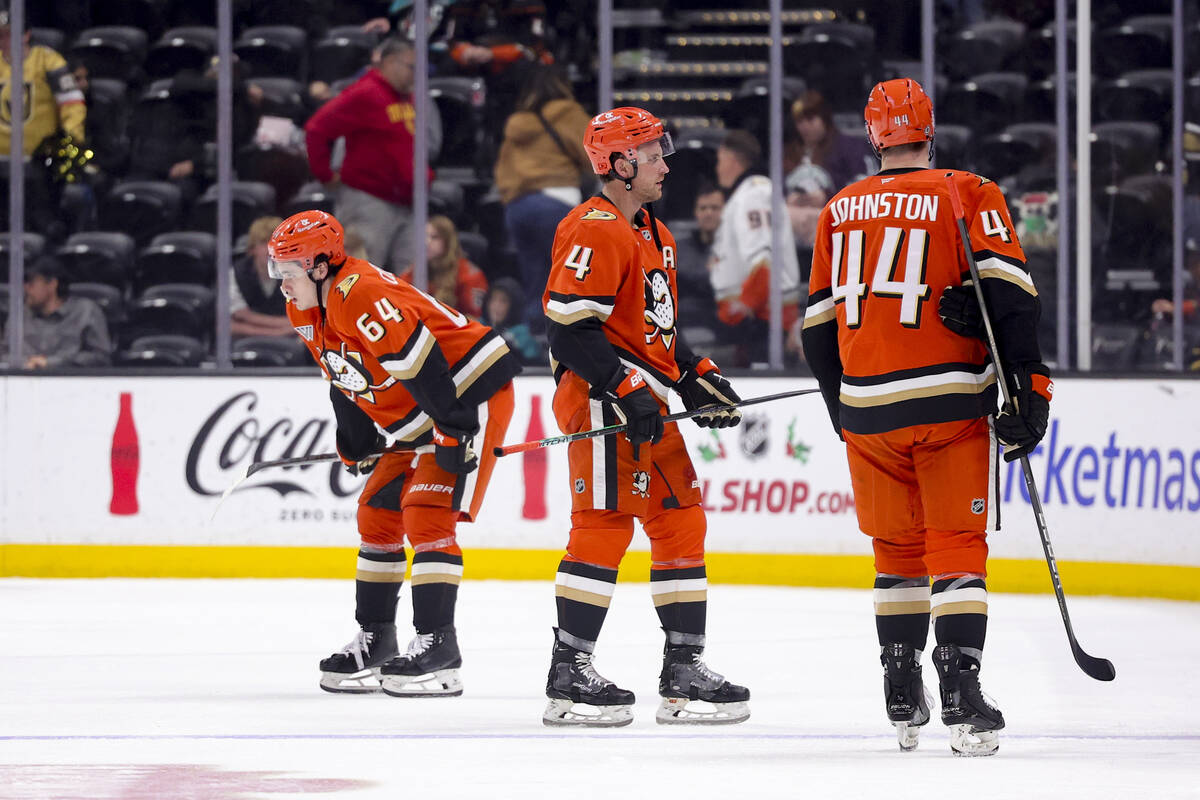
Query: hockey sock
x,y
377,584
959,605
435,578
902,610
680,598
582,593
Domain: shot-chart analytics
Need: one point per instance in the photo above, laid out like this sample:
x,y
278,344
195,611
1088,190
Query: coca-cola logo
x,y
235,436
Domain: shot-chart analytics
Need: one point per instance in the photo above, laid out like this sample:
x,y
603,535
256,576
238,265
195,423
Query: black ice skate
x,y
971,715
428,669
686,678
579,695
904,693
355,668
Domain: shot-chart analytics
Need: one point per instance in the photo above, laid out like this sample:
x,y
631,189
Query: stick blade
x,y
245,473
1100,669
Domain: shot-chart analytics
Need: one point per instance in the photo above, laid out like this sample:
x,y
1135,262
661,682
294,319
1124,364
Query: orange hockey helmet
x,y
621,131
300,240
898,112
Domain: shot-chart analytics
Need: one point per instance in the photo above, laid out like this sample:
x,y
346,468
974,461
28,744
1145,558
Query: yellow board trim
x,y
1026,576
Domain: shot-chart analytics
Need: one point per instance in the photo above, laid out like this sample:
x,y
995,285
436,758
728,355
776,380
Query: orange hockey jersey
x,y
405,359
605,271
886,247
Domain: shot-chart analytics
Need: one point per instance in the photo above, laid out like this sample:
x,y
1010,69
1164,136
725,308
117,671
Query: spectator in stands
x,y
54,109
374,184
693,252
53,101
453,279
539,173
59,330
839,159
743,251
256,306
503,311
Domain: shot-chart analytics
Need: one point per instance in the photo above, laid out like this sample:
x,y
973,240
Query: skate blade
x,y
439,683
566,714
681,711
907,736
364,682
969,742
909,731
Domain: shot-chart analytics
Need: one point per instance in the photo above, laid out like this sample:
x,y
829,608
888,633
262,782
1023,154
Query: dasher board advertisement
x,y
144,460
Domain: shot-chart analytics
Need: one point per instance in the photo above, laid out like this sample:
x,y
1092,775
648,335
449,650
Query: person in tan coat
x,y
539,173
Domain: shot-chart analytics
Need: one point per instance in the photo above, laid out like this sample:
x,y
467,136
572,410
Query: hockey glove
x,y
1023,428
959,310
703,385
363,465
454,450
637,407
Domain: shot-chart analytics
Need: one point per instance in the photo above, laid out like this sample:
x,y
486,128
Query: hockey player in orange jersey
x,y
911,389
617,353
404,370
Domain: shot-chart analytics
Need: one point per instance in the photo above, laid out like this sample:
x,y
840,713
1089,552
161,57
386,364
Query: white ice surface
x,y
178,689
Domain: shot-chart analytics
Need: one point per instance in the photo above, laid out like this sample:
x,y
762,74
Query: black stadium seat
x,y
1122,149
48,37
1020,145
111,51
110,299
950,144
183,309
163,351
273,51
143,209
189,47
838,59
311,195
283,97
34,244
1143,95
1142,42
269,351
98,257
1038,53
342,52
283,169
177,257
460,103
251,200
985,103
987,46
108,123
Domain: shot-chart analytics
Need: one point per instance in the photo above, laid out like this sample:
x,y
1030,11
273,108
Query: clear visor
x,y
291,268
649,152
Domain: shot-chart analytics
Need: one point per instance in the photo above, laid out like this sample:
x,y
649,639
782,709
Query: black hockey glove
x,y
702,385
1031,390
637,406
454,449
361,463
959,310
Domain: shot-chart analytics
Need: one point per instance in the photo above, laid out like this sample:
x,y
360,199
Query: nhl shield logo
x,y
753,436
580,485
977,505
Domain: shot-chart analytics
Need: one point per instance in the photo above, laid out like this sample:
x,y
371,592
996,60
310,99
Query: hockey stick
x,y
297,461
1099,668
609,430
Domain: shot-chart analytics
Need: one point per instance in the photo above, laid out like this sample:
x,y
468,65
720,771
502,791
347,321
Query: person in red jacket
x,y
374,185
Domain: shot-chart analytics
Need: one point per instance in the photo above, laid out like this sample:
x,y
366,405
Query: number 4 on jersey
x,y
580,260
993,225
